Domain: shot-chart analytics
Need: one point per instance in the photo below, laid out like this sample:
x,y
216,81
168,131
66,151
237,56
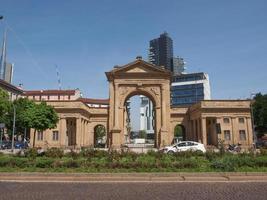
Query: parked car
x,y
21,145
6,144
184,146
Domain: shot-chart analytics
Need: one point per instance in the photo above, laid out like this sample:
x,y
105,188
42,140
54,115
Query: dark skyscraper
x,y
161,51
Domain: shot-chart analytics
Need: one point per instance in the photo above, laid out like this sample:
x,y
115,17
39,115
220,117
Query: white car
x,y
184,146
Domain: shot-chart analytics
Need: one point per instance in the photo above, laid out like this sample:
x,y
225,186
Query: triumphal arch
x,y
208,121
139,78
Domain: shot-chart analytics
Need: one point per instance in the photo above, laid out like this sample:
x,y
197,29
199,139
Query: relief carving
x,y
155,90
124,90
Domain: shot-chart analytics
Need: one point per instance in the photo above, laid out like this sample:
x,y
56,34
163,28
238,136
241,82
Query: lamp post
x,y
14,124
252,119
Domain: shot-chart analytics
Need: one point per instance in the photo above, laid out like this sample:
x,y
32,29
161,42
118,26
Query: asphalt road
x,y
136,191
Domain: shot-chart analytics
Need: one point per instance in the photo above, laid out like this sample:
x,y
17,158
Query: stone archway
x,y
139,78
99,136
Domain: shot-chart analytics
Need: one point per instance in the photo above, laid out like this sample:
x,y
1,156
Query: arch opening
x,y
139,120
179,133
100,136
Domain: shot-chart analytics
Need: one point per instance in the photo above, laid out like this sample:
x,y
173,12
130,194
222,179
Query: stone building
x,y
13,91
207,121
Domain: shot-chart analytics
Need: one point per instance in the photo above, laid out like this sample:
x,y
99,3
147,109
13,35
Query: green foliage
x,y
74,155
41,117
22,105
91,160
54,153
100,131
142,134
44,162
31,153
178,131
5,106
260,113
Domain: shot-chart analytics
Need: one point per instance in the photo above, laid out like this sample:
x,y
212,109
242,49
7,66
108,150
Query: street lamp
x,y
252,118
14,124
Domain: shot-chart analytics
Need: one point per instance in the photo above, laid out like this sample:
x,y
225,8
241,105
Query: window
x,y
182,144
39,135
227,135
191,144
242,134
55,135
241,120
226,120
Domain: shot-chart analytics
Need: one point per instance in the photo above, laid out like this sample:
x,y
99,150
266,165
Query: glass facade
x,y
188,89
161,51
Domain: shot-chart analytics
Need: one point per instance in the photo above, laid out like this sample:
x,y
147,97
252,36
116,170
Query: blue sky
x,y
227,39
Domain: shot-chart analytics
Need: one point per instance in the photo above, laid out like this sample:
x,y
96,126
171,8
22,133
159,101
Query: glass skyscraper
x,y
161,51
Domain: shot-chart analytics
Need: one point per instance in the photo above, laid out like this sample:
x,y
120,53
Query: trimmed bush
x,y
31,153
54,153
44,163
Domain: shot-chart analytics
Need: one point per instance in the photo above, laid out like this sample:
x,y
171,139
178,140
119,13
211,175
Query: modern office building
x,y
6,69
8,74
3,59
161,51
146,116
188,89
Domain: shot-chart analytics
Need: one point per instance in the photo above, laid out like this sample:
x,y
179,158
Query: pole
x,y
252,120
14,124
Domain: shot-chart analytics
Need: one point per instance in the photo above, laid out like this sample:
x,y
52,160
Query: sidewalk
x,y
133,177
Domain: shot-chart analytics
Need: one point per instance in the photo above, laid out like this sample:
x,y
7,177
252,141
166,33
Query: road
x,y
133,190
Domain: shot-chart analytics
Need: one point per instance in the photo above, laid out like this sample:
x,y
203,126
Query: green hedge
x,y
113,161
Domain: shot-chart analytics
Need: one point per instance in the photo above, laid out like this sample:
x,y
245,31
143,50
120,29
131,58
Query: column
x,y
63,132
235,132
250,132
116,109
204,131
78,131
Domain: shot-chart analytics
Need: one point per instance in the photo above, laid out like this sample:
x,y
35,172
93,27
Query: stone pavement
x,y
133,190
134,177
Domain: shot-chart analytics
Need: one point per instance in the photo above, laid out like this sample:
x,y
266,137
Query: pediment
x,y
138,67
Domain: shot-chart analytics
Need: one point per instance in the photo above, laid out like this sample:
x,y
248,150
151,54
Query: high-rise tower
x,y
6,69
161,51
3,58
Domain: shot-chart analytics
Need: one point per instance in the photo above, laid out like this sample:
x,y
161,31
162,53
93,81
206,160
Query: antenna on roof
x,y
58,78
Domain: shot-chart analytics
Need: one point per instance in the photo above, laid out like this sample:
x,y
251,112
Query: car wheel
x,y
199,151
170,152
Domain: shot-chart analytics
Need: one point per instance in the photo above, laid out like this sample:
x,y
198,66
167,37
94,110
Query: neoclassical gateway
x,y
206,122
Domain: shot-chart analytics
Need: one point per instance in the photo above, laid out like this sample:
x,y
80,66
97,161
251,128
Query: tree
x,y
5,105
100,133
22,105
142,134
260,113
40,117
178,131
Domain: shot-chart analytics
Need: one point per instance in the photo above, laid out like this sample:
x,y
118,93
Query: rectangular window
x,y
227,135
226,120
40,135
241,120
242,135
55,135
